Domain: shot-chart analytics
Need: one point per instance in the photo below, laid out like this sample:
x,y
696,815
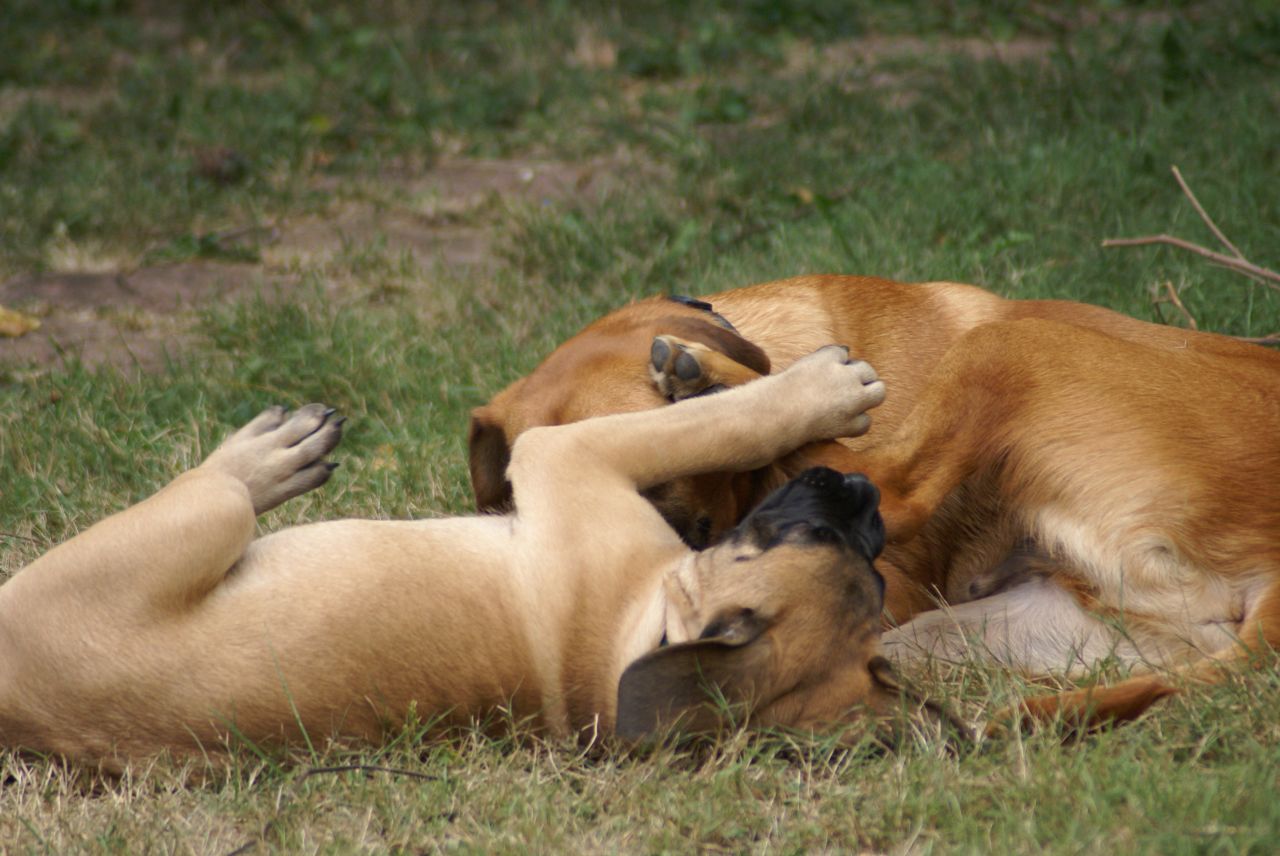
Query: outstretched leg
x,y
169,550
822,396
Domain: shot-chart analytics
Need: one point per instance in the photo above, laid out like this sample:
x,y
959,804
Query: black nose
x,y
867,526
822,499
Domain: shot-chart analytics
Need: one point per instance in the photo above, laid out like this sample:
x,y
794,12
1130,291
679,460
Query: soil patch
x,y
135,318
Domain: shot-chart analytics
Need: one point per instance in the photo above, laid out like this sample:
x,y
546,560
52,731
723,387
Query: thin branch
x,y
366,768
1236,262
1170,296
1269,278
1208,221
1177,301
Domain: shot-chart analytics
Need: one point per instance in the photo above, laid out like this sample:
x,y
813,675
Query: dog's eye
x,y
825,534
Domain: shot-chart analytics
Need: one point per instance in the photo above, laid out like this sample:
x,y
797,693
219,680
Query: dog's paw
x,y
842,389
682,369
280,455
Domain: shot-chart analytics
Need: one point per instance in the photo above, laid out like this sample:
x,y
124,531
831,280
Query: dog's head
x,y
604,369
781,618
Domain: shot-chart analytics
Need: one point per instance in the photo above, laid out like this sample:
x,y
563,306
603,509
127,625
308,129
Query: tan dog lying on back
x,y
168,626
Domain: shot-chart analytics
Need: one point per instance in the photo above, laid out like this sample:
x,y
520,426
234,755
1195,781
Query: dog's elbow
x,y
538,449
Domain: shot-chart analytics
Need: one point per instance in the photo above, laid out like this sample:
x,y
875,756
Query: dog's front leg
x,y
171,549
822,396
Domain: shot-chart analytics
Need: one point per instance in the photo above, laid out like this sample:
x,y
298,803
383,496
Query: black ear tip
x,y
690,301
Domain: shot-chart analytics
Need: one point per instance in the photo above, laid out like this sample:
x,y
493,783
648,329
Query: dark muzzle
x,y
824,505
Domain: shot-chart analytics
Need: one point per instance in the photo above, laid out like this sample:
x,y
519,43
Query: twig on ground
x,y
1236,262
1273,339
1267,277
366,768
17,537
1171,296
1208,221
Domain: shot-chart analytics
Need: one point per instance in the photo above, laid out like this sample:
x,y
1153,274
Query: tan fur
x,y
1142,462
169,626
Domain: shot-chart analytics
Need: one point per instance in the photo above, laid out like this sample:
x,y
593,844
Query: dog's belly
x,y
333,628
1160,616
379,616
1036,628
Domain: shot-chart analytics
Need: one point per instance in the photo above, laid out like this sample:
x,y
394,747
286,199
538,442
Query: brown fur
x,y
168,626
1142,461
902,329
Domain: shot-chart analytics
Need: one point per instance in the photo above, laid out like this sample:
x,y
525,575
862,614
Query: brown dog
x,y
1079,465
168,626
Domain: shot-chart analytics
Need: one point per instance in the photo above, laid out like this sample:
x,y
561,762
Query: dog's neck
x,y
660,616
681,591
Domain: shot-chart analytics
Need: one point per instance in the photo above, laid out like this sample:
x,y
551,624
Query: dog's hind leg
x,y
1091,707
169,550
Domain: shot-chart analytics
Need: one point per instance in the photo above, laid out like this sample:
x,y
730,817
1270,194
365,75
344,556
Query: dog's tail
x,y
1084,710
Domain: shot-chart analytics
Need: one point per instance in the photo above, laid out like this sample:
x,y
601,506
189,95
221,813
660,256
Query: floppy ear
x,y
718,338
489,459
691,686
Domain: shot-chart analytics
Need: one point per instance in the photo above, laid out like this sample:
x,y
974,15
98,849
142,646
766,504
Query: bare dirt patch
x,y
447,214
879,62
74,99
125,319
136,317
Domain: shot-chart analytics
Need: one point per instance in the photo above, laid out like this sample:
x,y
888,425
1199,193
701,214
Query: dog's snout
x,y
820,503
864,503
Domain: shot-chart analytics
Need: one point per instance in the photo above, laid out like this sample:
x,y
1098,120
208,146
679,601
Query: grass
x,y
742,142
